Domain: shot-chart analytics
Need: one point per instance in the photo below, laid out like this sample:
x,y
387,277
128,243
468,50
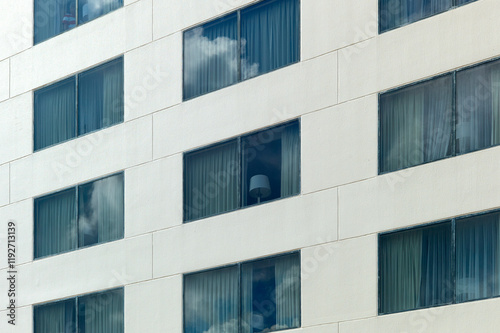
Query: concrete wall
x,y
343,203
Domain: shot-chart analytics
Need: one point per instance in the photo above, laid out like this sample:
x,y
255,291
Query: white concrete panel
x,y
91,156
166,18
339,281
153,77
16,25
275,227
397,57
21,213
154,306
153,196
16,128
479,316
4,79
262,101
85,46
23,321
328,25
329,328
98,267
339,144
430,192
4,184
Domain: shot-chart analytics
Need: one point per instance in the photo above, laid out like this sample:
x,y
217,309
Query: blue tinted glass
x,y
55,317
55,113
102,312
53,17
91,9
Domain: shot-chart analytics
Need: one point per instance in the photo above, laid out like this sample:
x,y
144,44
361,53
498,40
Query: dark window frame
x,y
453,109
455,4
76,299
452,222
75,77
238,13
76,188
239,265
239,139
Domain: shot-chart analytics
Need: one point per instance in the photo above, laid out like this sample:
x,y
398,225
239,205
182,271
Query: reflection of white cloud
x,y
213,62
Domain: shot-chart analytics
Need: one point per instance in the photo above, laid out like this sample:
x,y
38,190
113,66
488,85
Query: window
x,y
53,17
417,268
80,216
241,172
78,105
252,41
252,297
94,313
396,13
446,116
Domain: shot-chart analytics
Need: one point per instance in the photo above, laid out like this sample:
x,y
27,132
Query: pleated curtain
x,y
211,56
211,301
269,36
211,181
290,161
54,113
55,223
56,317
48,18
478,257
287,272
101,313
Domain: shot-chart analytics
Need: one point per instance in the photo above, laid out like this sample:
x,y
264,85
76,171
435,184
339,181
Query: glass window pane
x,y
101,313
100,97
55,317
211,181
416,124
91,9
395,13
211,301
55,223
415,268
271,161
478,257
101,211
53,17
478,107
271,294
54,113
269,36
211,56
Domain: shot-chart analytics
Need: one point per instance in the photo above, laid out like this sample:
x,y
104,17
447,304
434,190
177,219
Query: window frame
x,y
75,299
77,24
452,264
75,78
453,74
454,5
239,265
222,16
76,187
239,139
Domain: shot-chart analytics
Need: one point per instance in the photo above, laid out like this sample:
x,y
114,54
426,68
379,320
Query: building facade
x,y
249,166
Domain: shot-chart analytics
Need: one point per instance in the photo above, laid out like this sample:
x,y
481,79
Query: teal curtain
x,y
211,56
55,223
415,268
211,181
58,317
48,18
290,160
101,210
287,270
416,124
211,301
495,105
100,97
478,257
102,312
395,13
269,36
54,113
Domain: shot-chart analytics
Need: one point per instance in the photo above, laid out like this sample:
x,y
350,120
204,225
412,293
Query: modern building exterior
x,y
250,166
